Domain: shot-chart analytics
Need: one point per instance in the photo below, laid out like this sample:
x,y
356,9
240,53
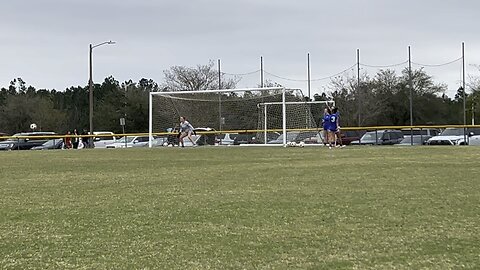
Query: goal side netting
x,y
302,116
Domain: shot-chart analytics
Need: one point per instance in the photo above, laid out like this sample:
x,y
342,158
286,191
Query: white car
x,y
131,141
103,139
474,140
455,136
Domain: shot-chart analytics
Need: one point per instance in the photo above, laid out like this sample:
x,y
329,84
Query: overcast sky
x,y
45,42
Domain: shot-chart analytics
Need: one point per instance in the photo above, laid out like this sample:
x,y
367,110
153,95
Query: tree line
x,y
379,100
384,99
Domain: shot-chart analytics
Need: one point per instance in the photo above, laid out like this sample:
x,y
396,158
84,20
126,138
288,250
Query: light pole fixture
x,y
90,89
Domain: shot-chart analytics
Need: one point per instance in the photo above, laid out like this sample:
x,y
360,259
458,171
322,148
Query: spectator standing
x,y
75,139
68,141
85,139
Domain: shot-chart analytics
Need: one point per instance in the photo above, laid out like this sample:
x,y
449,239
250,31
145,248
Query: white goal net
x,y
265,113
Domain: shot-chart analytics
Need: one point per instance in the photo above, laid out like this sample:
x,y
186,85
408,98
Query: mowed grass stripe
x,y
231,208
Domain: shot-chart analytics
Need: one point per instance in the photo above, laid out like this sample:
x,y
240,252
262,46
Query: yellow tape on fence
x,y
239,131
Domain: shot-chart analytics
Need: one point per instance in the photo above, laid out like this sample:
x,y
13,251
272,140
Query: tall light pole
x,y
90,89
465,130
410,80
308,75
359,89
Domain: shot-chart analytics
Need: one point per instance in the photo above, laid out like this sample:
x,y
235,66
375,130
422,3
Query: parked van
x,y
417,136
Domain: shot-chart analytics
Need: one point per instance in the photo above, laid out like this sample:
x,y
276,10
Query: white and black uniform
x,y
186,127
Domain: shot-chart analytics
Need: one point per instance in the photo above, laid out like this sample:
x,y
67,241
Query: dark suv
x,y
25,141
380,137
245,138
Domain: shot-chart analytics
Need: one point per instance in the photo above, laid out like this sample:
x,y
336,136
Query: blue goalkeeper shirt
x,y
333,123
326,121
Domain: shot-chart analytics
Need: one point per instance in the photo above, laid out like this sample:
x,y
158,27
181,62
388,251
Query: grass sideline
x,y
241,208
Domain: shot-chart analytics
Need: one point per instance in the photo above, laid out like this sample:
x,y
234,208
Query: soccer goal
x,y
301,115
231,111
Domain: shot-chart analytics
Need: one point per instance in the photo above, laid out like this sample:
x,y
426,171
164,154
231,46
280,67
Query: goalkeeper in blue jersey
x,y
186,130
335,127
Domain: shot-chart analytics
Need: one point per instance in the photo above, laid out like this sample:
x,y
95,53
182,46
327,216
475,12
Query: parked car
x,y
416,139
431,132
201,136
159,141
418,136
50,144
348,136
316,138
245,138
380,137
474,140
130,141
260,136
296,136
103,138
226,138
25,141
204,136
455,136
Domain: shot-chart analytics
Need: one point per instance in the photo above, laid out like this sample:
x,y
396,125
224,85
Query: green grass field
x,y
241,208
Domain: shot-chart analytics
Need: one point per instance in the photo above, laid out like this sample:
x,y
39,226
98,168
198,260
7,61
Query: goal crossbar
x,y
298,102
217,91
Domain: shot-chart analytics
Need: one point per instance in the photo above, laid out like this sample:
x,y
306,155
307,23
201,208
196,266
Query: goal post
x,y
202,106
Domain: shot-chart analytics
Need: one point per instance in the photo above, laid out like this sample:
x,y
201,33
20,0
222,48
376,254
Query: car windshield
x,y
452,132
129,139
350,133
414,132
371,136
51,142
15,139
408,139
290,136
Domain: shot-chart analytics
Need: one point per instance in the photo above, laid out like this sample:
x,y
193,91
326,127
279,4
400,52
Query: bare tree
x,y
201,77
